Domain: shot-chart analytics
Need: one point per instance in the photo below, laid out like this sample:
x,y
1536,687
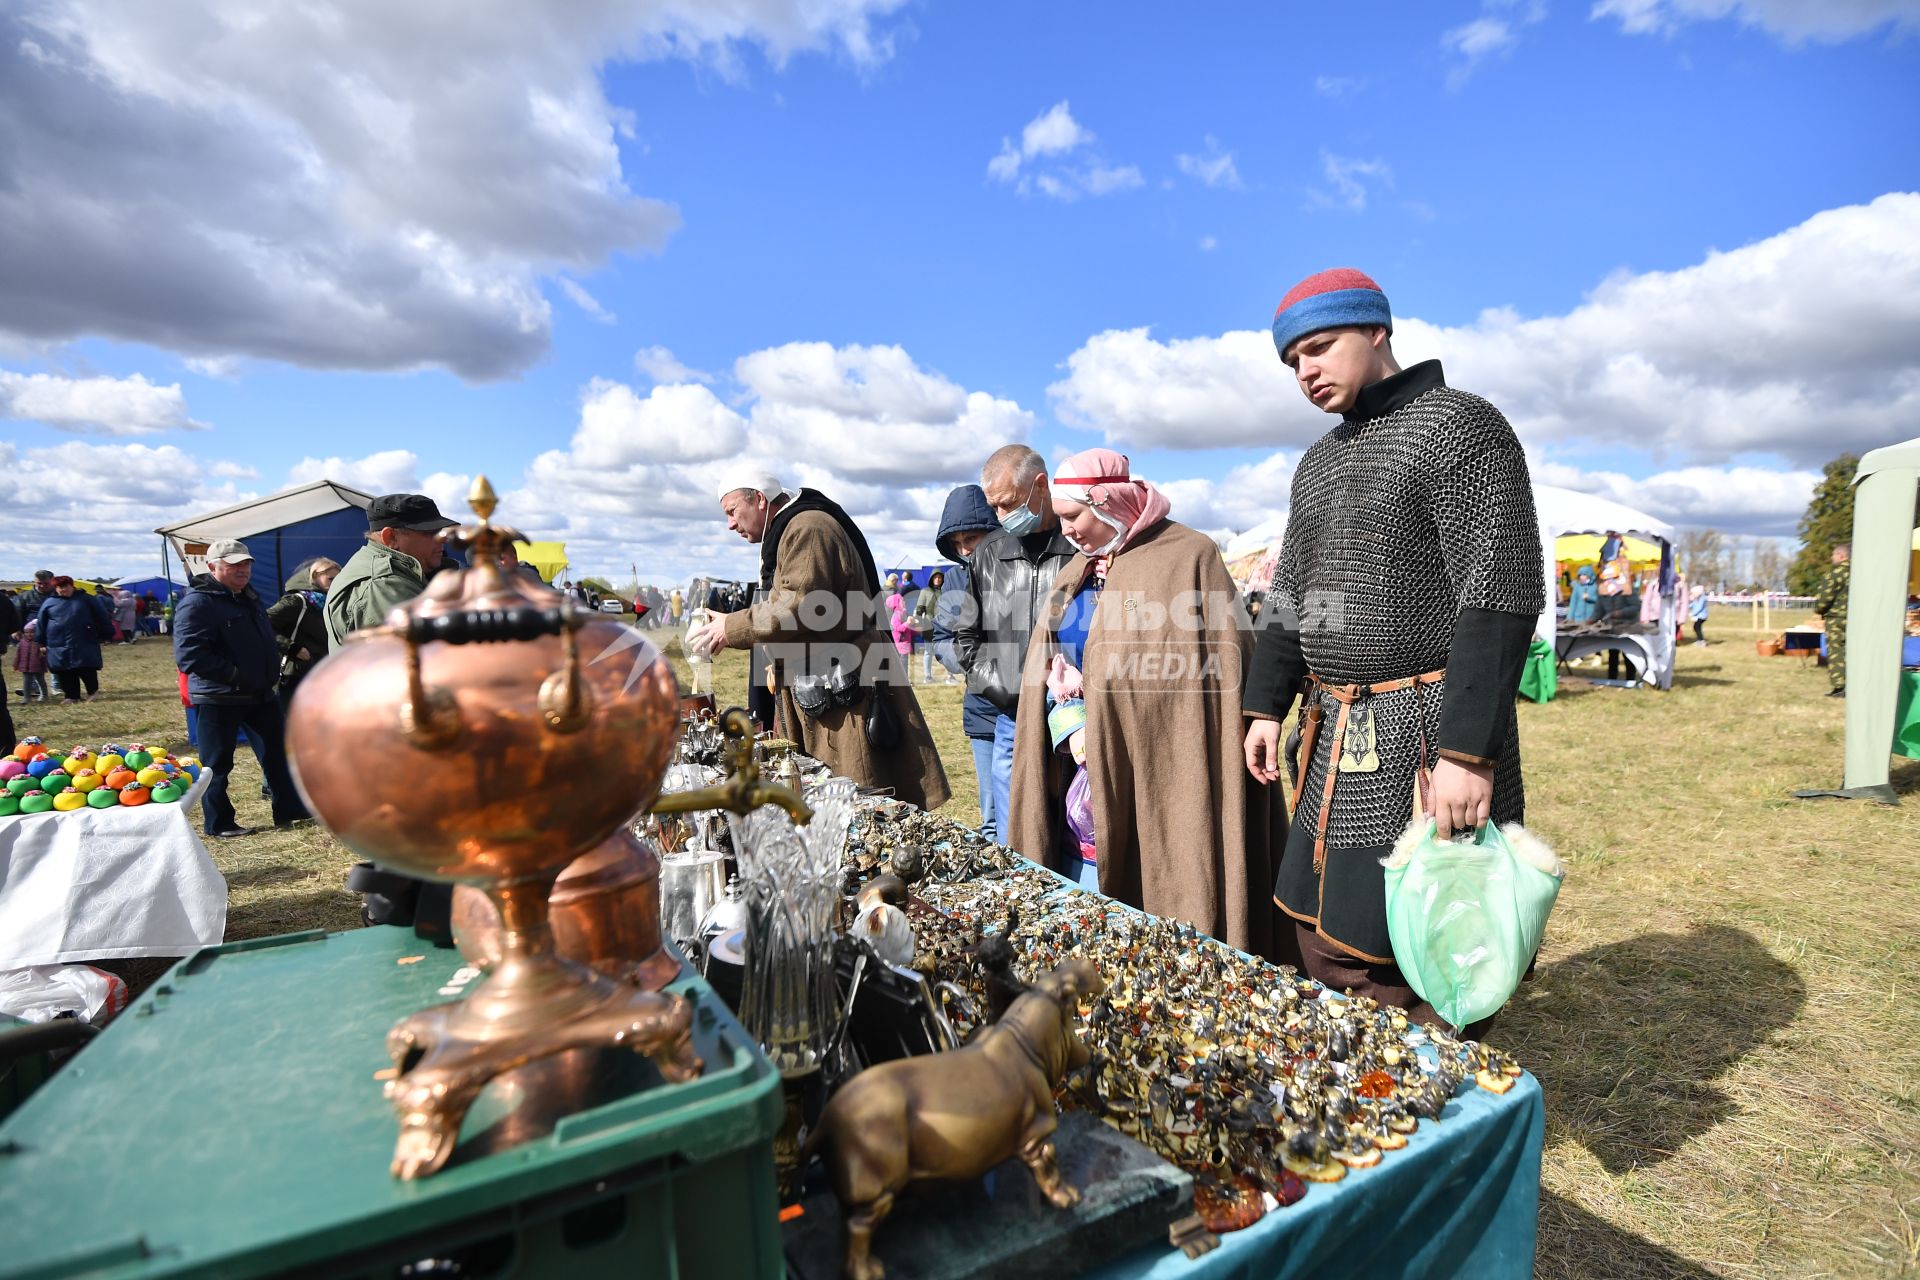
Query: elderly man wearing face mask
x,y
1007,579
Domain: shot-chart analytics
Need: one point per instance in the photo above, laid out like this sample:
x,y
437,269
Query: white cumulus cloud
x,y
341,183
1791,21
1212,166
388,471
1347,179
104,406
1055,157
661,365
1797,347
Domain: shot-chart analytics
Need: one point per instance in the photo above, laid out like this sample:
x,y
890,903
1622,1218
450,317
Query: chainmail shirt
x,y
1400,522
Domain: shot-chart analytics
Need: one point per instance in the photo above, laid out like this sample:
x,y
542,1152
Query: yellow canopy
x,y
547,558
1575,549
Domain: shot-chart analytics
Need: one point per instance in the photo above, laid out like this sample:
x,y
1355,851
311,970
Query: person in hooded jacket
x,y
967,521
224,642
73,626
300,622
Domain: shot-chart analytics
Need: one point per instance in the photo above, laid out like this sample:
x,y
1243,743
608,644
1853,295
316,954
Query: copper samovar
x,y
510,734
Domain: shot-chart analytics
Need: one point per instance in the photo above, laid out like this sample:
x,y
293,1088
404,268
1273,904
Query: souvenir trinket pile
x,y
1250,1077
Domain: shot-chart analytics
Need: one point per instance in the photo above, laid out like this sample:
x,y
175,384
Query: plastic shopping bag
x,y
1466,917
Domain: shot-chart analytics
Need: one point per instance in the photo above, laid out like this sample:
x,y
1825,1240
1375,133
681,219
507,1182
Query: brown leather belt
x,y
1346,695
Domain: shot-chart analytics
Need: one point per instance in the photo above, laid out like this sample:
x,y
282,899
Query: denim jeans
x,y
220,727
983,779
1003,776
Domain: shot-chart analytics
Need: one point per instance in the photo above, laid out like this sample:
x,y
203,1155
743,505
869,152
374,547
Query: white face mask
x,y
1119,532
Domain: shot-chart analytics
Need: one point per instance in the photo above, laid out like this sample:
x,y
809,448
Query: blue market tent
x,y
282,531
158,588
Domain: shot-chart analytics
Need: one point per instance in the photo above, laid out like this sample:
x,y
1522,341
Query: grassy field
x,y
1724,1018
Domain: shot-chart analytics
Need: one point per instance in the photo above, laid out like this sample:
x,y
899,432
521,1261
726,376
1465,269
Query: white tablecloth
x,y
107,884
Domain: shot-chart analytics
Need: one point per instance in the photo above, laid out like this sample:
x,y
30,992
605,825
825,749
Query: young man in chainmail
x,y
1405,597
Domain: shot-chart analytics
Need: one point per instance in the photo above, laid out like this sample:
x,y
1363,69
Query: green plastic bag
x,y
1466,917
1540,677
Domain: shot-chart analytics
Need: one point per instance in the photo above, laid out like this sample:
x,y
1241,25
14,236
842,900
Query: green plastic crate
x,y
230,1125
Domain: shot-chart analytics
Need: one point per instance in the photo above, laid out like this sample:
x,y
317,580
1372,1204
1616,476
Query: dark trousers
x,y
1700,629
220,726
1339,970
6,716
74,678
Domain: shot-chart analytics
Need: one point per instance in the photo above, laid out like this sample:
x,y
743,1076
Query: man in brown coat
x,y
817,614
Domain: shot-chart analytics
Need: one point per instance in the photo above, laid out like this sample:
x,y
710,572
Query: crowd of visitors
x,y
1122,706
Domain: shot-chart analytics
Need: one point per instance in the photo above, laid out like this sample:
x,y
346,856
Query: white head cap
x,y
748,475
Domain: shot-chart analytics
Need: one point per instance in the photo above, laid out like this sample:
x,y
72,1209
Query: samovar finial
x,y
482,499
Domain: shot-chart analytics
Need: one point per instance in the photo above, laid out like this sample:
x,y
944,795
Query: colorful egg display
x,y
9,804
133,793
168,792
11,768
21,785
151,777
69,800
86,780
102,798
41,766
36,802
119,778
56,782
139,758
107,761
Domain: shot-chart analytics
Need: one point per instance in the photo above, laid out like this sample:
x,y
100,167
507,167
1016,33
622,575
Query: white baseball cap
x,y
228,551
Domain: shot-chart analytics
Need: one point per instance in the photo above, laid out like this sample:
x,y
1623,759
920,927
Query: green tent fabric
x,y
1540,678
1906,717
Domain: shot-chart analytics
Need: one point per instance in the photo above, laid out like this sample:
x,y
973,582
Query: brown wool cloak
x,y
816,556
1182,831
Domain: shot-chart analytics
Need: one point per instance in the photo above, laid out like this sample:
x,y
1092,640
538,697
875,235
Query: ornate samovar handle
x,y
743,791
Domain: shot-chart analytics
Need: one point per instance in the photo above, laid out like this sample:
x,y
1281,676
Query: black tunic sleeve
x,y
1483,673
1278,668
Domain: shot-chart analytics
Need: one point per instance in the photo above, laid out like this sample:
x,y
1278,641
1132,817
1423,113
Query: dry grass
x,y
1724,1017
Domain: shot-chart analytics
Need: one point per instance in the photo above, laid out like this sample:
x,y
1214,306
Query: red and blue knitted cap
x,y
1328,300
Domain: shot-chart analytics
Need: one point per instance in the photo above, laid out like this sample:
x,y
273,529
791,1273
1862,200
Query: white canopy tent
x,y
1566,511
281,530
1558,510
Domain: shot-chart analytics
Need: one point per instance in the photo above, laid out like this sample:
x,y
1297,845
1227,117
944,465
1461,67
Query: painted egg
x,y
69,800
102,798
138,759
168,793
133,793
86,780
192,767
80,758
11,768
36,802
113,749
120,777
56,782
28,748
9,804
41,766
108,761
151,777
21,785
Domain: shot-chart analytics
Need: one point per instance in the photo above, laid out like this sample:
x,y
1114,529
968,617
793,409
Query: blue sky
x,y
868,241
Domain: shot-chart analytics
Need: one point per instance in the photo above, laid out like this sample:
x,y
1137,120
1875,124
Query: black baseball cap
x,y
406,511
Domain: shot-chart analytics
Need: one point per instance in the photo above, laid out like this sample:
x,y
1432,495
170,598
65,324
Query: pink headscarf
x,y
1100,478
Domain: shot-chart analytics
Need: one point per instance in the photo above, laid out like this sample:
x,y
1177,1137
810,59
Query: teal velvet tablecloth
x,y
1460,1200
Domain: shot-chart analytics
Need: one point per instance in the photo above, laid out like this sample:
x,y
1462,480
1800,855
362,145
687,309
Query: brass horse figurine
x,y
952,1116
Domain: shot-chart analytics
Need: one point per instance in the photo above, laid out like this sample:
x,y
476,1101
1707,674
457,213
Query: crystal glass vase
x,y
791,881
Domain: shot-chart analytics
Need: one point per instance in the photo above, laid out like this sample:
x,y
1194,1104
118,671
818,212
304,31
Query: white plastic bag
x,y
43,992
